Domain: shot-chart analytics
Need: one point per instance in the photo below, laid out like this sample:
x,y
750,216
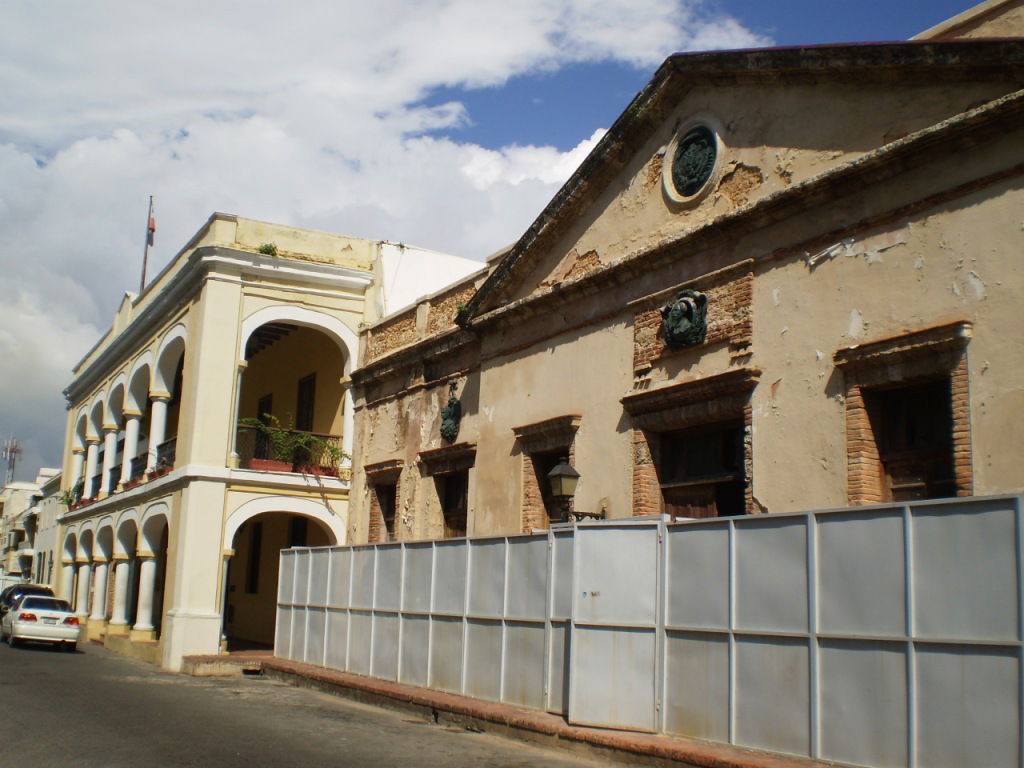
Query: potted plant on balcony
x,y
72,497
163,466
321,457
291,450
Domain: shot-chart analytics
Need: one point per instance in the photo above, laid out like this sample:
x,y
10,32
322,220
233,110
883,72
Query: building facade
x,y
211,427
18,526
784,280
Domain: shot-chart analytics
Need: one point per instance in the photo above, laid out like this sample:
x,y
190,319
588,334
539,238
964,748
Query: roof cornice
x,y
199,266
872,62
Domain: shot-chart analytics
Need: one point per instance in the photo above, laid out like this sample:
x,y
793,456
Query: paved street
x,y
95,708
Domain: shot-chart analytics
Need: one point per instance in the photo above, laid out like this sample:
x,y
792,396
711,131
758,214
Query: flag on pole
x,y
150,231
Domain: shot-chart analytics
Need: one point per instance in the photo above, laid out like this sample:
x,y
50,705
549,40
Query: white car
x,y
43,619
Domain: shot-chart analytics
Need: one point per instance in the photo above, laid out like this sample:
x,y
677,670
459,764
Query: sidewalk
x,y
525,724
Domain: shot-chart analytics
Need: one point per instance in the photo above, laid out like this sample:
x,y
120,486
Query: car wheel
x,y
70,647
13,641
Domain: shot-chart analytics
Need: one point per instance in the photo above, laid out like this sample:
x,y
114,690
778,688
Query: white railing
x,y
882,636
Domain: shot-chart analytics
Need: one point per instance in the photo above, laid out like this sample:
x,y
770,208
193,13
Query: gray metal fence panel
x,y
615,614
881,636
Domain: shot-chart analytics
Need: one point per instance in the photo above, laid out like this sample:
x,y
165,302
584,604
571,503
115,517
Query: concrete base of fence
x,y
476,714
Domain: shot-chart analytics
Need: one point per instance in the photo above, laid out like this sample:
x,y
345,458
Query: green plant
x,y
285,443
72,495
268,249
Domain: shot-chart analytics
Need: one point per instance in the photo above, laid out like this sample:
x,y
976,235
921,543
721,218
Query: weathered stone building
x,y
785,279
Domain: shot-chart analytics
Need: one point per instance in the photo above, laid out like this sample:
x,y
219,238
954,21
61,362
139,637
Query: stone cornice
x,y
960,132
882,62
687,392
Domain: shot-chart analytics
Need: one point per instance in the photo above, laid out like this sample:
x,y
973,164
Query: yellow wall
x,y
277,370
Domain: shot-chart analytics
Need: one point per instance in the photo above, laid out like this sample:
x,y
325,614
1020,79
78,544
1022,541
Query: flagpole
x,y
150,230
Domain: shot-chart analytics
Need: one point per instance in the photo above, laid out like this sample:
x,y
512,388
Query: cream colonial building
x,y
210,427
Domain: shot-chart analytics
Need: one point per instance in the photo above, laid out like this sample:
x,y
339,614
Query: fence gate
x,y
614,629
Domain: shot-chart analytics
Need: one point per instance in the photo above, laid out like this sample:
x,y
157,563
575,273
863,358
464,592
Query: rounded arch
x,y
97,412
172,348
154,520
85,539
126,532
104,547
137,392
71,544
332,523
81,429
343,336
115,400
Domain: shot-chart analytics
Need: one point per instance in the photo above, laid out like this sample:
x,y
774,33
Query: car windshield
x,y
45,604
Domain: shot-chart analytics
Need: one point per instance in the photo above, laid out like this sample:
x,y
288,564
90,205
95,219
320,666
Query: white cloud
x,y
303,113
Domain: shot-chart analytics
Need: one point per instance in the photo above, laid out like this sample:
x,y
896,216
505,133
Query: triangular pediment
x,y
779,118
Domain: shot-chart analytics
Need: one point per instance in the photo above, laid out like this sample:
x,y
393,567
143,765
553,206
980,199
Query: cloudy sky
x,y
444,123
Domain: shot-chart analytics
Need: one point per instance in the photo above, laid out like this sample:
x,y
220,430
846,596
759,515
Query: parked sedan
x,y
42,619
15,592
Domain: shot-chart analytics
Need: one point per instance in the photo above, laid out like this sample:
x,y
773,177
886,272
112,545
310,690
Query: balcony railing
x,y
166,453
138,467
288,450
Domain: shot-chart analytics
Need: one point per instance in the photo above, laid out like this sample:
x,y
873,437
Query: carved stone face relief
x,y
684,321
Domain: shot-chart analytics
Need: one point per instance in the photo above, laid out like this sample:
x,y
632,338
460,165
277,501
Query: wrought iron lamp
x,y
563,479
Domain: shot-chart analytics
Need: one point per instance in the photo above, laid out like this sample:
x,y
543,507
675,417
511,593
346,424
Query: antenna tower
x,y
10,454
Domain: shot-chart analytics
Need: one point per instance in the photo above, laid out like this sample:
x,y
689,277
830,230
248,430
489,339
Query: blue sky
x,y
564,107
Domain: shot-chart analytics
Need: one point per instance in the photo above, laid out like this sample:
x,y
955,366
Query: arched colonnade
x,y
114,568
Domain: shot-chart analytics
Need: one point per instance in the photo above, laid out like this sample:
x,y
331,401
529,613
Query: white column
x,y
91,457
233,456
347,423
157,427
225,563
109,456
147,583
131,443
84,572
67,587
99,591
77,463
119,615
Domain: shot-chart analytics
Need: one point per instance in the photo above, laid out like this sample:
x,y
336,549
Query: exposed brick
x,y
728,313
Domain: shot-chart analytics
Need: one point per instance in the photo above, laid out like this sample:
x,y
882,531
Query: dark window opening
x,y
304,403
298,532
252,574
913,428
453,491
387,501
701,471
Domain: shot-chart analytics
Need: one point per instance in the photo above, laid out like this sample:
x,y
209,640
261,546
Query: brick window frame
x,y
450,460
532,442
908,359
380,474
689,404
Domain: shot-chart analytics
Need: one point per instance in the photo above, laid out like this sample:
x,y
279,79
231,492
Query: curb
x,y
476,714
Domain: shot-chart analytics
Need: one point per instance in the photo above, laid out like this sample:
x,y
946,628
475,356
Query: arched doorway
x,y
252,575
